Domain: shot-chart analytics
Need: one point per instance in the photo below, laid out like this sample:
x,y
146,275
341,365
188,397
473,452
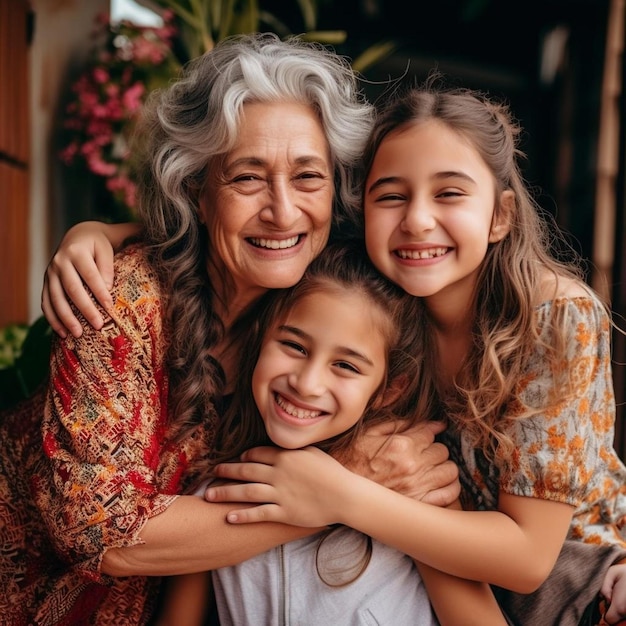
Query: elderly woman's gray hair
x,y
184,129
196,119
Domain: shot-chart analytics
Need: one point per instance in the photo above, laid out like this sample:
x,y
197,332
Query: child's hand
x,y
614,590
297,487
84,255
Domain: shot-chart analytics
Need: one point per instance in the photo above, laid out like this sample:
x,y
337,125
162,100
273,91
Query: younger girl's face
x,y
429,212
319,367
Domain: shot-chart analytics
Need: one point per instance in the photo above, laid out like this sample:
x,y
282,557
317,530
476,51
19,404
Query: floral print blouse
x,y
565,452
85,463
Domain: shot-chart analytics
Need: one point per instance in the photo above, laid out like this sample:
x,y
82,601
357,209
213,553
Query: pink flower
x,y
100,75
108,96
68,153
98,166
132,97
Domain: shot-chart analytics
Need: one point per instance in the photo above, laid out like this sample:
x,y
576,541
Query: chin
x,y
290,445
284,281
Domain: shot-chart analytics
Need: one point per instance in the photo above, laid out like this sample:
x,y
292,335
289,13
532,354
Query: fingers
x,y
56,307
435,454
262,454
444,495
65,285
425,429
65,282
249,472
244,492
263,513
431,426
99,276
49,313
82,262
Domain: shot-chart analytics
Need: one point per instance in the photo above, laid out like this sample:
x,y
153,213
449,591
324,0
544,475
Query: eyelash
x,y
255,177
348,366
344,365
293,346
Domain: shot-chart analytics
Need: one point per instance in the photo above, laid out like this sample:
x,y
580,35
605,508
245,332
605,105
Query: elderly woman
x,y
245,161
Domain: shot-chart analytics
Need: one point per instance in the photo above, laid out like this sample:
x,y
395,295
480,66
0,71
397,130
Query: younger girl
x,y
517,355
324,358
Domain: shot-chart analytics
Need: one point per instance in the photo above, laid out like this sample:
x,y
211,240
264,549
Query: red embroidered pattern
x,y
84,465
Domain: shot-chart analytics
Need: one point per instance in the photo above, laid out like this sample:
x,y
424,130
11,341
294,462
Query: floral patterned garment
x,y
84,465
565,454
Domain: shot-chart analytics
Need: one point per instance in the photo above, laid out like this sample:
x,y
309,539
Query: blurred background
x,y
74,73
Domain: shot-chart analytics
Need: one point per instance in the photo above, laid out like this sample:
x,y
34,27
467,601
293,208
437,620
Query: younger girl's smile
x,y
319,367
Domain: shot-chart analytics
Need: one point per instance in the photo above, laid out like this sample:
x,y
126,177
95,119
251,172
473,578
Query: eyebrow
x,y
438,176
343,350
258,162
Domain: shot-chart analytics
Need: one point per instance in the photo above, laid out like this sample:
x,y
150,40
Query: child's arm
x,y
515,547
85,254
187,600
460,601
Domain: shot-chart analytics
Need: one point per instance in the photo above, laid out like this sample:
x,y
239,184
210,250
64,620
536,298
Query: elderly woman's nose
x,y
282,209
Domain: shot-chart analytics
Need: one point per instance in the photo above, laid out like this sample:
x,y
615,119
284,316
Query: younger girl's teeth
x,y
274,244
422,254
295,411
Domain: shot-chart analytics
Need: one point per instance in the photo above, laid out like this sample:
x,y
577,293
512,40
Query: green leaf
x,y
329,37
374,54
31,364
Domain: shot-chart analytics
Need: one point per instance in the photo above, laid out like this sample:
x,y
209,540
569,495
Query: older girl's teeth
x,y
422,254
275,244
295,411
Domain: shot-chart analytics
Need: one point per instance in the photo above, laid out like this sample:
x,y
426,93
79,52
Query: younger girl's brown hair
x,y
341,267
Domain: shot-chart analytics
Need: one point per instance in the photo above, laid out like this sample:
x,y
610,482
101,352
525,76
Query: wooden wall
x,y
14,160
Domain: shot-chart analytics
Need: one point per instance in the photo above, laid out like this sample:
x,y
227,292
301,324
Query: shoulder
x,y
135,278
554,286
577,326
570,299
132,259
137,293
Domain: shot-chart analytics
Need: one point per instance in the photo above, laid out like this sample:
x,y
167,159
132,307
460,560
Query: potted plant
x,y
24,360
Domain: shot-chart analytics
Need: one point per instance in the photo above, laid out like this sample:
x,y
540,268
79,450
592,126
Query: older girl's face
x,y
268,209
429,214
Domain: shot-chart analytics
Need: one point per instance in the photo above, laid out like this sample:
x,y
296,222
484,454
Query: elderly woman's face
x,y
268,209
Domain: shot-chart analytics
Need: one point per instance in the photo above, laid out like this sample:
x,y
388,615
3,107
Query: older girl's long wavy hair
x,y
192,124
509,285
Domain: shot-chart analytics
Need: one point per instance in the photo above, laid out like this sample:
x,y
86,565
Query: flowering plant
x,y
106,99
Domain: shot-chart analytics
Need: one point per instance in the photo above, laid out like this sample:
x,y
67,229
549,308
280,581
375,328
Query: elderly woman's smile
x,y
268,208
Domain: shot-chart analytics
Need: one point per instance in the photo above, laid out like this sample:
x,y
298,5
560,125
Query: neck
x,y
230,301
451,319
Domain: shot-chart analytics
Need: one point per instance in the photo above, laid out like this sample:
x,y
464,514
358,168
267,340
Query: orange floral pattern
x,y
564,452
86,463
